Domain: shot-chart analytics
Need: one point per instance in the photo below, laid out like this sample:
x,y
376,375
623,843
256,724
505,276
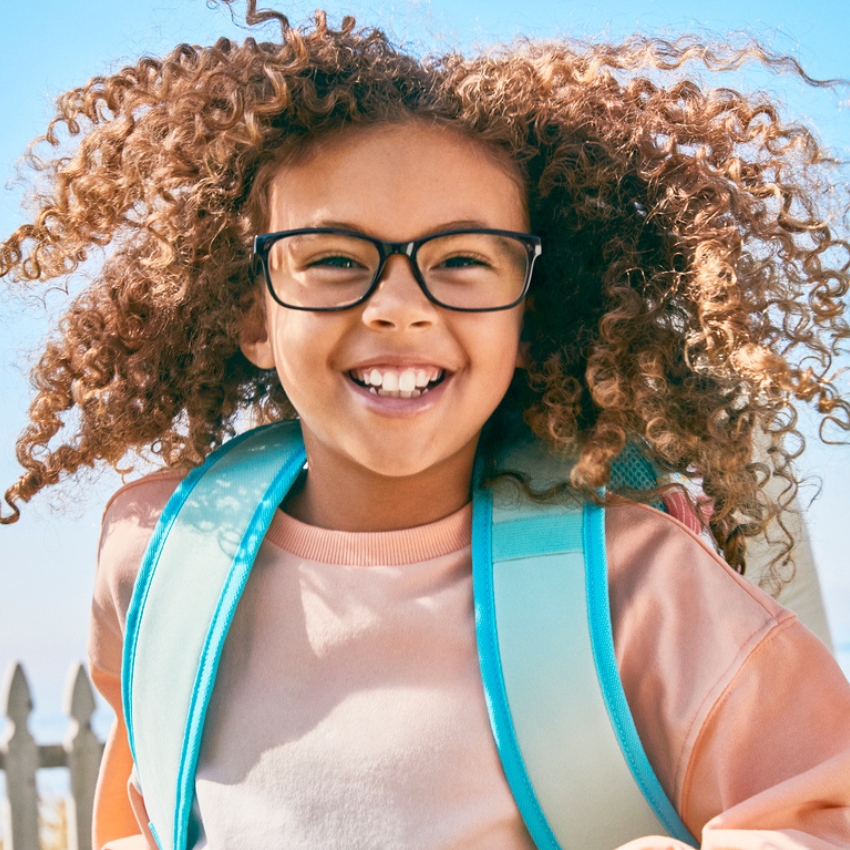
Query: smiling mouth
x,y
398,383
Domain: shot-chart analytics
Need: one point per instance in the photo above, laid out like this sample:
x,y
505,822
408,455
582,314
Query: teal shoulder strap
x,y
189,583
559,715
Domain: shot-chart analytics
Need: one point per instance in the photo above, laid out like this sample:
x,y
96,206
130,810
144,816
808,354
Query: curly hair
x,y
689,295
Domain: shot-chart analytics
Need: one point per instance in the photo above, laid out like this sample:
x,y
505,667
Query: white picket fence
x,y
21,757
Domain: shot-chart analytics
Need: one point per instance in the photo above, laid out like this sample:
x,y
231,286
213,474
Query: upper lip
x,y
398,363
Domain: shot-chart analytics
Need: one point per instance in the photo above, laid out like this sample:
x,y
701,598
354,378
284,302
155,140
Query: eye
x,y
335,262
463,261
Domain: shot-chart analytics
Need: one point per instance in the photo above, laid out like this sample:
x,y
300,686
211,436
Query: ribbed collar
x,y
378,548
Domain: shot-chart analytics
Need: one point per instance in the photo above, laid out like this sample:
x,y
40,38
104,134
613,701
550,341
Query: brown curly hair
x,y
689,294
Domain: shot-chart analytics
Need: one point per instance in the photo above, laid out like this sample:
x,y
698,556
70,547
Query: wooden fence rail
x,y
21,757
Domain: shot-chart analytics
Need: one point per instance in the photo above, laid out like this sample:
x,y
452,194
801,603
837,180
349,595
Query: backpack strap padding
x,y
608,676
184,599
561,723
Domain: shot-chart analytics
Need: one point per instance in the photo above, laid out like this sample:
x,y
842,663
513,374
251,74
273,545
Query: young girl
x,y
551,248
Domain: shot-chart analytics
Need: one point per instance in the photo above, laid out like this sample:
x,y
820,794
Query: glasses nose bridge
x,y
389,249
405,249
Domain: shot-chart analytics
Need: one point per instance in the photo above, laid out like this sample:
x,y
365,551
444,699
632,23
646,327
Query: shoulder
x,y
684,623
656,560
152,491
128,524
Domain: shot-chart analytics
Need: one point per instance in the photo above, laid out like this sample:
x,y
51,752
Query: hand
x,y
655,842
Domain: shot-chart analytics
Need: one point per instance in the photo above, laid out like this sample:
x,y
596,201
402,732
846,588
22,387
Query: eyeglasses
x,y
323,269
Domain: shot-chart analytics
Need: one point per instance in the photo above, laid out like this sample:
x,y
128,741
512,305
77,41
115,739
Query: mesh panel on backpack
x,y
632,469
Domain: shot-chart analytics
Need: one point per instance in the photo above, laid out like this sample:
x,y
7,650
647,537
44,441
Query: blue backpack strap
x,y
559,715
191,578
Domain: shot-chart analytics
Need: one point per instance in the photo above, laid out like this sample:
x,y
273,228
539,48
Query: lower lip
x,y
400,407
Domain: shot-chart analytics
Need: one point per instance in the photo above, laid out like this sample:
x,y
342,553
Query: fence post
x,y
83,751
20,761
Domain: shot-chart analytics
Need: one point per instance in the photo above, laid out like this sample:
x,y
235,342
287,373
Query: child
x,y
462,253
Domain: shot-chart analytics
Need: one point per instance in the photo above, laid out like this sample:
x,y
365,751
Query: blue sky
x,y
46,560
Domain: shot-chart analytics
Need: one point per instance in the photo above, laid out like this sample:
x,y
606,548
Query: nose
x,y
399,302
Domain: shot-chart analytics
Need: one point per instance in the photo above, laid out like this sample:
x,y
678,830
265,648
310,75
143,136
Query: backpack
x,y
562,726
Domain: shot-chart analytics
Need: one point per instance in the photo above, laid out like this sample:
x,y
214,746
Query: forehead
x,y
398,181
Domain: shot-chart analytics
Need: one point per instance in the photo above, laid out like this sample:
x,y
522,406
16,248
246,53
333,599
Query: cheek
x,y
295,351
499,349
509,336
305,348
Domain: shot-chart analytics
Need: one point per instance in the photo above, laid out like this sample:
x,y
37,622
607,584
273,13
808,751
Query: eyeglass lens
x,y
464,270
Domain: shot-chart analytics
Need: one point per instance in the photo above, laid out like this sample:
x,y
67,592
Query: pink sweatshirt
x,y
349,711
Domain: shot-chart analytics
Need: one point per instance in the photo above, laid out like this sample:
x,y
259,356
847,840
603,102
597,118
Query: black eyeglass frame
x,y
263,243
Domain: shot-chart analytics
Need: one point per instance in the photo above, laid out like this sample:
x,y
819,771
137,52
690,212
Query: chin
x,y
396,470
400,461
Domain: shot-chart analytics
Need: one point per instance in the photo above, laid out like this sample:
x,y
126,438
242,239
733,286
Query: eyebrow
x,y
459,224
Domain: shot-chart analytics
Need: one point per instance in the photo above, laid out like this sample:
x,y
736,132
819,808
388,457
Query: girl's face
x,y
395,183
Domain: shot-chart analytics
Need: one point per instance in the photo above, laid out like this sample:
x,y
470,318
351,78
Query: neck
x,y
340,495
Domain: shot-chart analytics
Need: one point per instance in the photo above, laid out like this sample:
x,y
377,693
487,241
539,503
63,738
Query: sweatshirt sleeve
x,y
792,692
120,821
744,714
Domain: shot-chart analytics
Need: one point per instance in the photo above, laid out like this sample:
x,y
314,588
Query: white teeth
x,y
397,383
398,393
